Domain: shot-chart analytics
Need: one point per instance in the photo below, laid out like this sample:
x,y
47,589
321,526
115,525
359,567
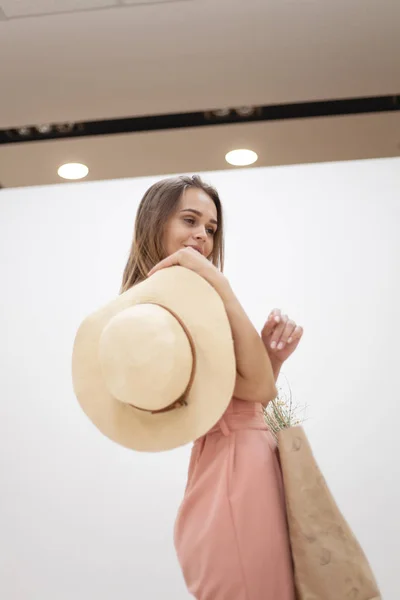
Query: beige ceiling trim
x,y
157,153
30,9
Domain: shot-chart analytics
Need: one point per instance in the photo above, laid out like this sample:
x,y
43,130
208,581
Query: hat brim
x,y
203,313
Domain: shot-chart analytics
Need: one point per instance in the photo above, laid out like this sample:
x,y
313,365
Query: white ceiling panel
x,y
125,61
139,2
30,8
146,57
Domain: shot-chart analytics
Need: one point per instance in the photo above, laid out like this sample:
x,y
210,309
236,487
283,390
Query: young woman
x,y
230,534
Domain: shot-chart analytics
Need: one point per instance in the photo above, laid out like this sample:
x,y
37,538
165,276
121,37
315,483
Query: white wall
x,y
82,518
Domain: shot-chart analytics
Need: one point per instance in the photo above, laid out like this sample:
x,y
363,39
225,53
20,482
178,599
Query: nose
x,y
201,234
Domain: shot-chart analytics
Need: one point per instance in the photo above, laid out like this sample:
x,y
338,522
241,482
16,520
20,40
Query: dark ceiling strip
x,y
279,112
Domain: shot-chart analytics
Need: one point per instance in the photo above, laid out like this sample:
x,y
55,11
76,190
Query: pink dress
x,y
231,533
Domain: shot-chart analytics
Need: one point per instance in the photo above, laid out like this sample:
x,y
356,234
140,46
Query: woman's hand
x,y
281,336
191,259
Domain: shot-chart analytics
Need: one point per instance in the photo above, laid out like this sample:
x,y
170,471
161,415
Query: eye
x,y
191,221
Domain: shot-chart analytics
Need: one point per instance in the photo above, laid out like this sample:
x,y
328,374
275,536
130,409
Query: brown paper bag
x,y
329,563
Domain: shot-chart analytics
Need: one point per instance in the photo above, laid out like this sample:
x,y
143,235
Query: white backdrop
x,y
80,517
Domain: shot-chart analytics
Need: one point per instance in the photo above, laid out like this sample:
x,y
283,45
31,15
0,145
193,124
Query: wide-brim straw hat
x,y
155,368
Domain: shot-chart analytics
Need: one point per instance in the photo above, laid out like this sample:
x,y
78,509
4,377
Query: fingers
x,y
173,259
296,335
161,265
284,333
273,319
183,257
281,333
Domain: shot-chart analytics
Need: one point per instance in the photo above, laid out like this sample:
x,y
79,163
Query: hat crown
x,y
145,357
179,322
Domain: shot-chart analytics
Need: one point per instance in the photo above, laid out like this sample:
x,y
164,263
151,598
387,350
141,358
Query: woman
x,y
230,533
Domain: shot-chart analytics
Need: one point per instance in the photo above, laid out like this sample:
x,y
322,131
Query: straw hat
x,y
155,368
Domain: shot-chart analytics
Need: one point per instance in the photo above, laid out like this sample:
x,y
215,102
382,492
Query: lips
x,y
199,250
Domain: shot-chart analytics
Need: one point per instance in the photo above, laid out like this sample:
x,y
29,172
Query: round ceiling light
x,y
73,171
241,158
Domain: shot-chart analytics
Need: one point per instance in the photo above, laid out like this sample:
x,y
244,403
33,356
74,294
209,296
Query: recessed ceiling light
x,y
73,171
241,158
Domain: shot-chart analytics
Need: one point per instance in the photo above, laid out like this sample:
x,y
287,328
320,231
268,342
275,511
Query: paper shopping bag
x,y
329,563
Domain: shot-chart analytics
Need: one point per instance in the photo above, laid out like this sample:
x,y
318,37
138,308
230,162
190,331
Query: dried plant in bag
x,y
283,413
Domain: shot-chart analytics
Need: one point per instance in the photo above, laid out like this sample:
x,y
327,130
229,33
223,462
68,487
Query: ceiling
x,y
69,60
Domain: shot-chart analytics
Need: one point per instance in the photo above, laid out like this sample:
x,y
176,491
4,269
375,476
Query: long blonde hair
x,y
157,205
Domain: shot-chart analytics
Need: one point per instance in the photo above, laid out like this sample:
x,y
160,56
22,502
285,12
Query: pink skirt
x,y
231,533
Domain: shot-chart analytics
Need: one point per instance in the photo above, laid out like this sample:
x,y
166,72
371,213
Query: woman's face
x,y
194,224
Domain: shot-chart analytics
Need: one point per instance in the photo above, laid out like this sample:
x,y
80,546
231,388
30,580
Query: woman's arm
x,y
255,377
276,367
